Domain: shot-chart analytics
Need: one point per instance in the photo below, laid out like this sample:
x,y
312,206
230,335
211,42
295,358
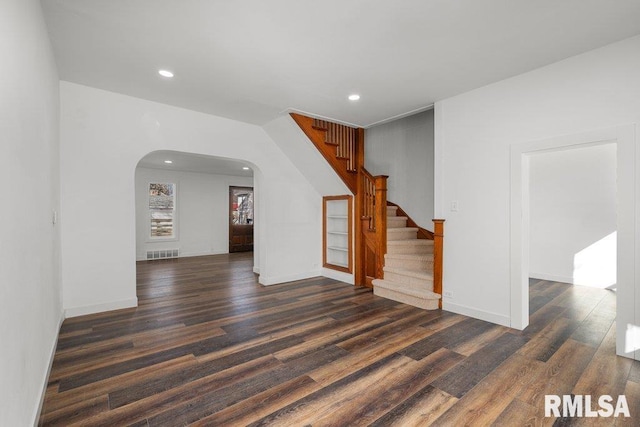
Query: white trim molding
x,y
276,280
487,316
99,308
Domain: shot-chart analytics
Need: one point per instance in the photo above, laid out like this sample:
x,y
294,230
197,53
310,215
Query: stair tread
x,y
419,242
412,257
398,229
418,274
398,287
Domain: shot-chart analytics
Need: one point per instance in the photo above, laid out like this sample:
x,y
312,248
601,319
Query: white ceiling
x,y
251,60
194,163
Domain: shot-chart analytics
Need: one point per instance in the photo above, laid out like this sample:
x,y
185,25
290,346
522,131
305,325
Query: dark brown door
x,y
240,219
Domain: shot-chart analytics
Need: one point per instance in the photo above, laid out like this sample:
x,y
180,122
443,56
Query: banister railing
x,y
369,198
373,201
343,137
342,146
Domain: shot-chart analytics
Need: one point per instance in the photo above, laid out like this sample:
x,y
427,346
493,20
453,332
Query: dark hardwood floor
x,y
209,346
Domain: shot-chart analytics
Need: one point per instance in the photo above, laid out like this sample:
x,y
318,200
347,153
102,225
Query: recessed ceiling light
x,y
165,73
245,168
354,97
168,161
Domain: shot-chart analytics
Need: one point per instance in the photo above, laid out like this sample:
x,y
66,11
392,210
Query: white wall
x,y
403,150
104,135
293,142
202,211
286,133
474,133
30,307
572,209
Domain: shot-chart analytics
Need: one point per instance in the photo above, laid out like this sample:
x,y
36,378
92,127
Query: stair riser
x,y
396,222
425,304
410,264
400,234
409,249
392,211
409,282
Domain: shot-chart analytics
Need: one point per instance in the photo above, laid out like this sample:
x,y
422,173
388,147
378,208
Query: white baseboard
x,y
99,308
256,270
338,275
205,253
552,277
275,280
487,316
143,257
43,390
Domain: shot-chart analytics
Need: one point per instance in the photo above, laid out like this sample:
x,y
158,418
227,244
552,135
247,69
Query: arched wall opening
x,y
194,219
104,136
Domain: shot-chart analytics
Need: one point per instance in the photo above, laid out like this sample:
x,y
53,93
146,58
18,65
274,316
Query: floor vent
x,y
163,254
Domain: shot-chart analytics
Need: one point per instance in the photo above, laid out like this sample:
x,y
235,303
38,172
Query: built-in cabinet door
x,y
240,219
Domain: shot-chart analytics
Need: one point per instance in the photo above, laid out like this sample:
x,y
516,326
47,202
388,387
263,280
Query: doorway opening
x,y
240,219
626,300
572,215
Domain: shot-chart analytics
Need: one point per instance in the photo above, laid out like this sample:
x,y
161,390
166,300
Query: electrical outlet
x,y
448,294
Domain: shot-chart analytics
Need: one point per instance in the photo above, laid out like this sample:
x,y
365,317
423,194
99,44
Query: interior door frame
x,y
627,200
231,225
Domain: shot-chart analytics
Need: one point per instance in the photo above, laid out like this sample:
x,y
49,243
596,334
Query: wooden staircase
x,y
395,256
408,273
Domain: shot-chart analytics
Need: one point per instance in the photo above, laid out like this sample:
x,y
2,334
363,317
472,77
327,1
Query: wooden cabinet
x,y
337,235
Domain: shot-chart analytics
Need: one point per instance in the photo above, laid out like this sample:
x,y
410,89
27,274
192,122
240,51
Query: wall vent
x,y
162,254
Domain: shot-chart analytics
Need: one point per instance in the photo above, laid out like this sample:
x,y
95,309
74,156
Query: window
x,y
162,204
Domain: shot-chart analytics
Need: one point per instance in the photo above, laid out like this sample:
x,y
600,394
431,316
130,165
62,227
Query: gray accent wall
x,y
403,149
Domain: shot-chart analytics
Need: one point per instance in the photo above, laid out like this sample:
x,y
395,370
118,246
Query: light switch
x,y
454,206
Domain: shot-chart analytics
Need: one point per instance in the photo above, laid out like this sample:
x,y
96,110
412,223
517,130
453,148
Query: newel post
x,y
438,240
360,267
381,222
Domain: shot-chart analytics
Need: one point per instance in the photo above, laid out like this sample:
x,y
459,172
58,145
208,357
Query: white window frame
x,y
174,237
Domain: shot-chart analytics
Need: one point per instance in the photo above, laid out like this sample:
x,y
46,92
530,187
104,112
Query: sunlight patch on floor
x,y
595,265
